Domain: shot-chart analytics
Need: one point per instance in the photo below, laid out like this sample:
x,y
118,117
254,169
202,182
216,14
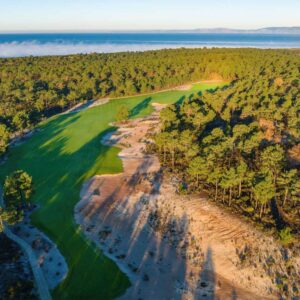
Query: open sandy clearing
x,y
171,246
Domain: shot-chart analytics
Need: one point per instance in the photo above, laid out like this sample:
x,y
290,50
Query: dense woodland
x,y
241,143
32,88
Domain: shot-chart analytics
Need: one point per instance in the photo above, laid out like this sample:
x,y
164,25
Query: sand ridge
x,y
171,246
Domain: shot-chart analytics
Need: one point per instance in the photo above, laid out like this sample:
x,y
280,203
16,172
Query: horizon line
x,y
142,30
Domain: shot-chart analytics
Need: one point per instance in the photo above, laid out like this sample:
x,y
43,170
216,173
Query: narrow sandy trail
x,y
171,246
40,280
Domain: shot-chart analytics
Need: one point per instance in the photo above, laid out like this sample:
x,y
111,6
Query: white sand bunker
x,y
171,246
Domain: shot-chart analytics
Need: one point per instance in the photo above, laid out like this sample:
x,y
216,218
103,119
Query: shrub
x,y
286,237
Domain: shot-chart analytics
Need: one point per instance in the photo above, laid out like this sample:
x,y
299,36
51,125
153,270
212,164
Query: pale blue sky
x,y
88,15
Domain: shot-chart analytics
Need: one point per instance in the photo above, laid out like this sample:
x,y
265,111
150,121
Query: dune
x,y
171,246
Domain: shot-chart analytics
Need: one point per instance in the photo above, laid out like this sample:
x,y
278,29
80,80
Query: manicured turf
x,y
60,157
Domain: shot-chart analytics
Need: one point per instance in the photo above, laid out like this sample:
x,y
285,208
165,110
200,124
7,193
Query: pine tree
x,y
286,182
264,191
10,217
122,113
4,138
18,188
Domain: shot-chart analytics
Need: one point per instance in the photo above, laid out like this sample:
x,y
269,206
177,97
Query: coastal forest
x,y
32,88
230,132
240,143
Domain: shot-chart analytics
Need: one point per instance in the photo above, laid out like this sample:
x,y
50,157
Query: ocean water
x,y
15,45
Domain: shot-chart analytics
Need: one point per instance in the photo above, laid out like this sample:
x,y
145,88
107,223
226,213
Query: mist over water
x,y
16,45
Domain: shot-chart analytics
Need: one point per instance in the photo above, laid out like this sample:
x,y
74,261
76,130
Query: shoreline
x,y
17,50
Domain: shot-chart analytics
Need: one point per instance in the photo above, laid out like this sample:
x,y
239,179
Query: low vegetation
x,y
235,144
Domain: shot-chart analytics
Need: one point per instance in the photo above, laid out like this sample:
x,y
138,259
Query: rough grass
x,y
60,157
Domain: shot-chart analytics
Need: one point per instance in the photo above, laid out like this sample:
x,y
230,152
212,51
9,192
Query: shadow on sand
x,y
142,241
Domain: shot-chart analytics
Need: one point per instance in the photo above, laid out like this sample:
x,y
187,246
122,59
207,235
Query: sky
x,y
106,15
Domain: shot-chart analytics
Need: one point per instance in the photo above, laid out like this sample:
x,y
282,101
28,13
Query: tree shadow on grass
x,y
210,91
140,107
59,163
180,101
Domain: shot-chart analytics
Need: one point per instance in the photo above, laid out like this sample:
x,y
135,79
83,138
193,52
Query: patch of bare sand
x,y
185,87
170,246
87,104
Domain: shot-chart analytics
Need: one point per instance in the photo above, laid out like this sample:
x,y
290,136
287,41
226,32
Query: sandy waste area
x,y
170,246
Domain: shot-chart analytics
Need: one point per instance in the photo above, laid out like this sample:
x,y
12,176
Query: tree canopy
x,y
234,142
32,88
122,113
18,188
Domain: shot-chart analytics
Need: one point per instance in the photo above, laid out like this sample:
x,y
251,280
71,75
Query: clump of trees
x,y
18,188
4,139
216,142
32,88
122,113
8,216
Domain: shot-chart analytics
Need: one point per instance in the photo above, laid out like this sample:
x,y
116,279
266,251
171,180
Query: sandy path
x,y
49,259
171,246
40,280
47,263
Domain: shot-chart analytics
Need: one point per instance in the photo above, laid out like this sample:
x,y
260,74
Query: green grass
x,y
60,157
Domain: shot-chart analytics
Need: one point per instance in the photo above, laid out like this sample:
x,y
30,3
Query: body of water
x,y
14,45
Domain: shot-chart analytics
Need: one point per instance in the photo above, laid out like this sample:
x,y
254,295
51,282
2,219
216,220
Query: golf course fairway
x,y
60,156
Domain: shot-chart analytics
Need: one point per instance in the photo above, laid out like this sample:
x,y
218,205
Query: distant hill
x,y
221,30
267,30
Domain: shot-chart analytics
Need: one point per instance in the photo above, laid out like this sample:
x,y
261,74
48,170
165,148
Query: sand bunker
x,y
87,104
171,246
